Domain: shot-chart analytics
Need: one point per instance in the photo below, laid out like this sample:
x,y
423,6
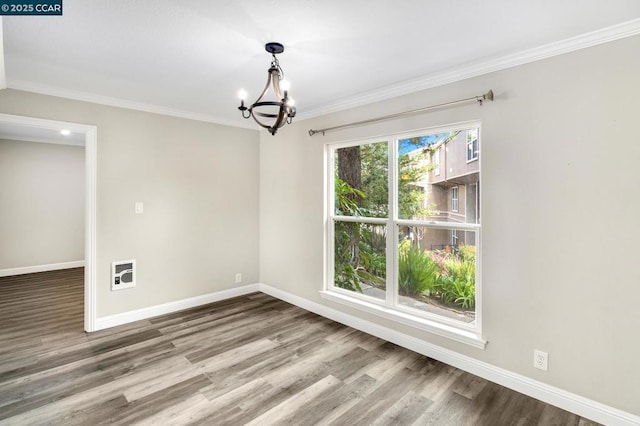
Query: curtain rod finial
x,y
488,95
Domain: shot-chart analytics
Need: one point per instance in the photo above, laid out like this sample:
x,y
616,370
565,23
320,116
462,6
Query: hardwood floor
x,y
249,360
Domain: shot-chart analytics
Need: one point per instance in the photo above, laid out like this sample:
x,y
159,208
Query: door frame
x,y
90,159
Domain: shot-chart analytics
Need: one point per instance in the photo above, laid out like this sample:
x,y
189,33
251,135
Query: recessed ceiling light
x,y
65,132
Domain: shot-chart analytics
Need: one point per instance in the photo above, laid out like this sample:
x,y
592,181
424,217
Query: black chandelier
x,y
279,112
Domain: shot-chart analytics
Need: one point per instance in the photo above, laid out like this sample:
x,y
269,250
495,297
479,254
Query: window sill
x,y
463,336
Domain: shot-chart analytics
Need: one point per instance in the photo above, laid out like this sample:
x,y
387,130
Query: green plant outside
x,y
417,272
448,277
456,284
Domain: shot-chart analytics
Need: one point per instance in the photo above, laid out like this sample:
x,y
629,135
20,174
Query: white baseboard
x,y
560,398
167,308
40,268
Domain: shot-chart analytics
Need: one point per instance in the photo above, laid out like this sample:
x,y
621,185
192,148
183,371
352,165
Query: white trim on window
x,y
435,327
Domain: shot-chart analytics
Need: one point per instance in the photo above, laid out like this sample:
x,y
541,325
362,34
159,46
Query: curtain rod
x,y
480,98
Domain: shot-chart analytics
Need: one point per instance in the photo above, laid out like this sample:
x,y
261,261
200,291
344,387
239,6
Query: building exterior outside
x,y
452,189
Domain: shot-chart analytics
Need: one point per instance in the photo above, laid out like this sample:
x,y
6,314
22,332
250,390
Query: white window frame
x,y
475,153
469,333
455,201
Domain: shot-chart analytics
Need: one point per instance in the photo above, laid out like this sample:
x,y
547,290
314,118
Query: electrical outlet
x,y
540,360
238,278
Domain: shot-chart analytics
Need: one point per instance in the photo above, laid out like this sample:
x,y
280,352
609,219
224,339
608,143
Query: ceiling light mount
x,y
274,48
282,110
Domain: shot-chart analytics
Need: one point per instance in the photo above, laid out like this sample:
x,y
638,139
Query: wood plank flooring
x,y
249,360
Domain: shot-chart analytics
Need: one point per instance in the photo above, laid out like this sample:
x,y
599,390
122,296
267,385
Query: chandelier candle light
x,y
282,110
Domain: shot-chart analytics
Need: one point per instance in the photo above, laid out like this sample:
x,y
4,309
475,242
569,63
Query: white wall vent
x,y
123,274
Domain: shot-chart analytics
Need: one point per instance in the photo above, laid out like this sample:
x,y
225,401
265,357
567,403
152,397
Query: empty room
x,y
319,213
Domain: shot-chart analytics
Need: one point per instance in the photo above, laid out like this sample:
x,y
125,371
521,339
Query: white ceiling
x,y
190,57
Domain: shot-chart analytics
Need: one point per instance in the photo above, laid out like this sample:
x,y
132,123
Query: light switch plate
x,y
139,207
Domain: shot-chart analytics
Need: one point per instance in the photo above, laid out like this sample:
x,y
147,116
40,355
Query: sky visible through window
x,y
411,144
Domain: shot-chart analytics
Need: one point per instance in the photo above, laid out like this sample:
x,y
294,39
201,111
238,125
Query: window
x,y
473,203
454,199
472,145
392,247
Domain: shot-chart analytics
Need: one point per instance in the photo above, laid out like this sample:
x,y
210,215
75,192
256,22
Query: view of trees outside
x,y
440,280
361,189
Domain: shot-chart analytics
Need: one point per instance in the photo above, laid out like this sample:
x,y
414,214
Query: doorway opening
x,y
31,128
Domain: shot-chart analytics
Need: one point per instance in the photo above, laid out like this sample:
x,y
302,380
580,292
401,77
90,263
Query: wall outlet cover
x,y
541,360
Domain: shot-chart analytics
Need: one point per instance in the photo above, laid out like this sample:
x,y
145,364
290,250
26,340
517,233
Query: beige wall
x,y
552,279
41,204
199,185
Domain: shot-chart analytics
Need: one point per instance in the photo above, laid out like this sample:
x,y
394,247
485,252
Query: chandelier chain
x,y
276,64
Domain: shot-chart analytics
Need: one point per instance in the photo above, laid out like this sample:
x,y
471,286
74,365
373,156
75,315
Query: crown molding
x,y
475,69
42,89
